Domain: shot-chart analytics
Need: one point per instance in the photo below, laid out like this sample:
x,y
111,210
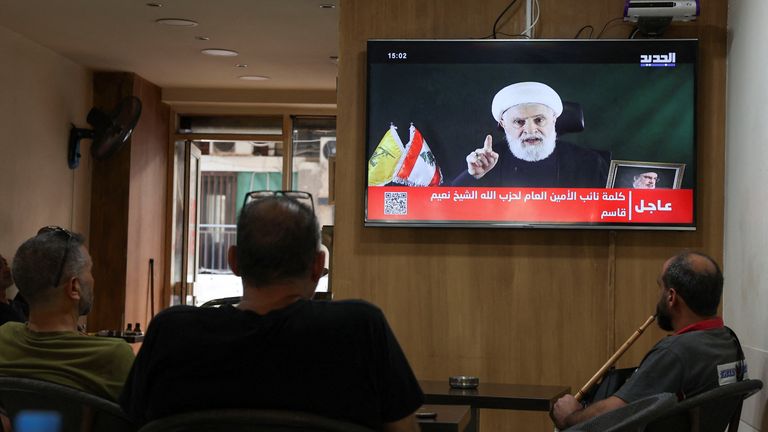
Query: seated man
x,y
7,312
533,156
277,349
689,361
53,272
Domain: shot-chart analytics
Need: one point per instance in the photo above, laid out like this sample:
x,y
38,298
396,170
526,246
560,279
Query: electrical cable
x,y
512,3
591,31
536,20
634,33
606,26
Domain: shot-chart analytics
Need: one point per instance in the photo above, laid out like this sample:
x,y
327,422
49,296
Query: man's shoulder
x,y
571,149
182,313
702,340
353,309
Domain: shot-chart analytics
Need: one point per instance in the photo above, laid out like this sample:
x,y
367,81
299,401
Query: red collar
x,y
709,324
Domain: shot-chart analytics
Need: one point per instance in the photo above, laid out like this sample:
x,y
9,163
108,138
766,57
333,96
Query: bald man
x,y
700,355
533,157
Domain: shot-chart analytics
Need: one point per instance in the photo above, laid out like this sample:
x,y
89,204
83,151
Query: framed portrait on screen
x,y
645,175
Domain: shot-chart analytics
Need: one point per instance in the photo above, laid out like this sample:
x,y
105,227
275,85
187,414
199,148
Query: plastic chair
x,y
249,421
711,411
80,411
631,417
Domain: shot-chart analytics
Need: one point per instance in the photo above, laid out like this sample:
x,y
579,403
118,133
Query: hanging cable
x,y
588,26
606,26
537,10
495,24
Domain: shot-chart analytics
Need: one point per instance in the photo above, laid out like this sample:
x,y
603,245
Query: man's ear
x,y
232,259
72,289
318,266
672,298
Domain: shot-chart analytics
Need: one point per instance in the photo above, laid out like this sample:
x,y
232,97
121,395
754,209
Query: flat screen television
x,y
531,133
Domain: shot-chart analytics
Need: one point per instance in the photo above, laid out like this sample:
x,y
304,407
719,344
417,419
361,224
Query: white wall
x,y
41,93
746,225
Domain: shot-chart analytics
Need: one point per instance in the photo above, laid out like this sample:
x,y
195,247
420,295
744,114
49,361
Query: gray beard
x,y
531,153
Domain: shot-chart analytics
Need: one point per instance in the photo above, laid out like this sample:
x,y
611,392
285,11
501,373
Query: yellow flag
x,y
384,160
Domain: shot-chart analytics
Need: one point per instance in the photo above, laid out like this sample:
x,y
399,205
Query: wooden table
x,y
450,418
494,396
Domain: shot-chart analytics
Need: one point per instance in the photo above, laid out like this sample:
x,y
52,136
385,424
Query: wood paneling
x,y
108,239
514,306
128,207
147,207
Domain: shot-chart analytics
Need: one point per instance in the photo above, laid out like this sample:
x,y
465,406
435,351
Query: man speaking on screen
x,y
533,157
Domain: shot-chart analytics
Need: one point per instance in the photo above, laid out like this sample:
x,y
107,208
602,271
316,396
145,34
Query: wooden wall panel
x,y
516,306
108,239
128,207
146,230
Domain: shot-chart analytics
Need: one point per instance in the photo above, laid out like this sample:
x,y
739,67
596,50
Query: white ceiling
x,y
289,41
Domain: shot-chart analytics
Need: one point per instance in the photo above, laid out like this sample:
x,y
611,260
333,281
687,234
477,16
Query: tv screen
x,y
531,133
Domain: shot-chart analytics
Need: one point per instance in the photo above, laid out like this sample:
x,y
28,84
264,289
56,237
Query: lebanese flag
x,y
418,166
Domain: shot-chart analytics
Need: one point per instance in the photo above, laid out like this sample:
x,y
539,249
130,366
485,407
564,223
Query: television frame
x,y
397,49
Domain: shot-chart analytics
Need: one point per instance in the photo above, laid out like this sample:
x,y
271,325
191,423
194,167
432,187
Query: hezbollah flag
x,y
418,167
384,160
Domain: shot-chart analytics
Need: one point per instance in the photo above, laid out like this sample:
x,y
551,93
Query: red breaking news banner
x,y
534,205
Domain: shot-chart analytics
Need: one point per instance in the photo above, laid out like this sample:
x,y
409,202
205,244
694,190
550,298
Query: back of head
x,y
277,239
39,261
697,279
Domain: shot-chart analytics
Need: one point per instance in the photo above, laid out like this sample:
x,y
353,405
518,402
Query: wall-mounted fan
x,y
110,130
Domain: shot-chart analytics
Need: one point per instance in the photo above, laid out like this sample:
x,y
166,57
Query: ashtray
x,y
463,382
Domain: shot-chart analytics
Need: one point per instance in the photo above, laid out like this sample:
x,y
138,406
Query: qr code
x,y
395,203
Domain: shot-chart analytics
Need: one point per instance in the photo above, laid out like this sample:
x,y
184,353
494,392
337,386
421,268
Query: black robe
x,y
568,166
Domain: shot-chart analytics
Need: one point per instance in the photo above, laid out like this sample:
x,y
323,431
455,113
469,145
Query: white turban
x,y
525,92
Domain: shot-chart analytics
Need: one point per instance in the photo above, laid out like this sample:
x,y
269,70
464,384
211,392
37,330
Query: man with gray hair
x,y
534,157
53,272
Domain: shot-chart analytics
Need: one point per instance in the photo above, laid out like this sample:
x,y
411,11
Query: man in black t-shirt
x,y
701,355
277,349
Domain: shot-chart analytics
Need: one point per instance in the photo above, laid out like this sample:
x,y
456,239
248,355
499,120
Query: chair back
x,y
571,120
249,421
711,411
631,417
80,411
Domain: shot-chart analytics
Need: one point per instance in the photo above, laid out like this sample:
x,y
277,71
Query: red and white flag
x,y
418,166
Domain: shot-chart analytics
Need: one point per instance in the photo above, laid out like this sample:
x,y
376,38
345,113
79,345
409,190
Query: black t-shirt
x,y
569,165
336,359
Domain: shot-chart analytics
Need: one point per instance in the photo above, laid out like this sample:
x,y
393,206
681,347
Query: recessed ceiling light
x,y
154,4
241,65
219,52
202,38
178,22
328,6
253,78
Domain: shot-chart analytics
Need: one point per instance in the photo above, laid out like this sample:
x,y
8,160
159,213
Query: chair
x,y
241,420
232,301
631,417
712,410
80,411
571,120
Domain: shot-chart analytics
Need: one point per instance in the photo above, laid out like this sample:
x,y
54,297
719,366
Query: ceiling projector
x,y
682,10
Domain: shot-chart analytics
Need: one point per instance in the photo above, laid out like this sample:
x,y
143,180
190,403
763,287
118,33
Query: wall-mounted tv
x,y
531,133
